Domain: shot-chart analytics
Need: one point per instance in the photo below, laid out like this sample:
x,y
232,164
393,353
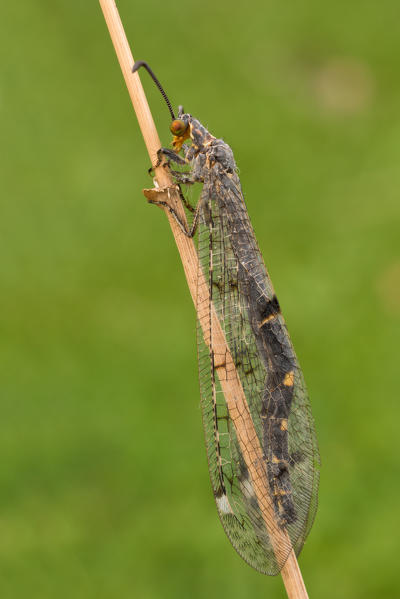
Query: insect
x,y
242,296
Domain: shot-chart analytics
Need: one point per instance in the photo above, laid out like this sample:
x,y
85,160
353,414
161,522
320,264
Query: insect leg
x,y
202,206
171,157
184,178
188,232
195,175
186,202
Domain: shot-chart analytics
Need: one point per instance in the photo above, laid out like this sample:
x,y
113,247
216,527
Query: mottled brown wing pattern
x,y
228,271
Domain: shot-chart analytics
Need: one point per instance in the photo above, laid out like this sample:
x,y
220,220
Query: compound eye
x,y
178,127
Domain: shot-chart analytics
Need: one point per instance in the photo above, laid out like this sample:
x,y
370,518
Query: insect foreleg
x,y
171,155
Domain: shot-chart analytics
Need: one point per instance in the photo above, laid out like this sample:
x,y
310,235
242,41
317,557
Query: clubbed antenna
x,y
142,63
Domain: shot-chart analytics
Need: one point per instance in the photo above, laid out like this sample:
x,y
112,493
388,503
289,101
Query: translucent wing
x,y
248,311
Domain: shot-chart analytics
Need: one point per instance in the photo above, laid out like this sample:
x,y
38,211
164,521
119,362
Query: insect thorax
x,y
206,145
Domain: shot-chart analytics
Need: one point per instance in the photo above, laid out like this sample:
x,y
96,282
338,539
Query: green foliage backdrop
x,y
104,488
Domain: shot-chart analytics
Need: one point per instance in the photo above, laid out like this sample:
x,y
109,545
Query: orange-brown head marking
x,y
181,131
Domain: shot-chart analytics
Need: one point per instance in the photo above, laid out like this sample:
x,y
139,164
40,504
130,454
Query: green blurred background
x,y
104,487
